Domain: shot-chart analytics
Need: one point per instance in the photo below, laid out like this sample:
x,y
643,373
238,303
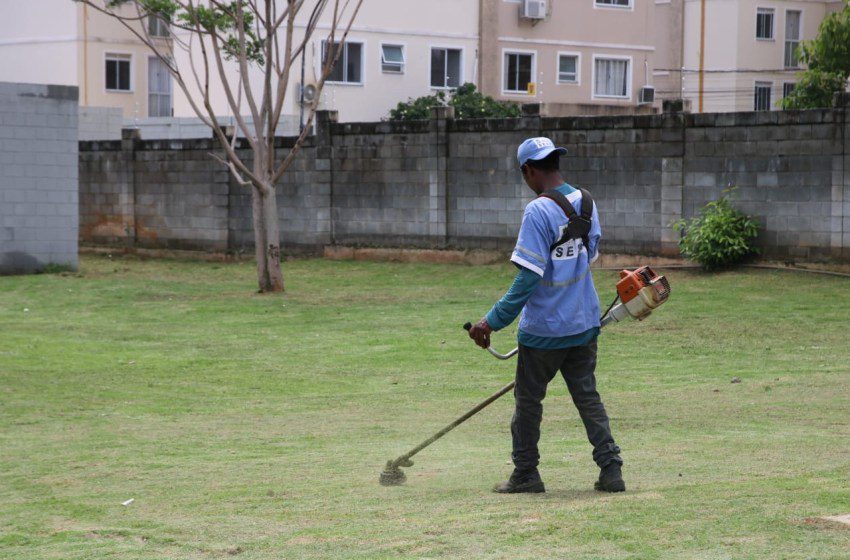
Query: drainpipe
x,y
701,52
85,56
301,99
682,51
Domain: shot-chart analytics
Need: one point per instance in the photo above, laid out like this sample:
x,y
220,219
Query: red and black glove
x,y
480,333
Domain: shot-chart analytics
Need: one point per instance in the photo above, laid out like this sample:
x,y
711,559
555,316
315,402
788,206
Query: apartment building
x,y
734,55
396,50
571,56
67,43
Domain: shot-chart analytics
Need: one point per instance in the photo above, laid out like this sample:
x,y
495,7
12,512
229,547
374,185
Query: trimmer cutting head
x,y
392,475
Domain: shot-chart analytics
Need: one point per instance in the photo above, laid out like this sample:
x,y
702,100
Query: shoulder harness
x,y
578,225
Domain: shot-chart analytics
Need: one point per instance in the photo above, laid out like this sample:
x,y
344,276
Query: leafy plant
x,y
827,57
468,102
720,237
417,109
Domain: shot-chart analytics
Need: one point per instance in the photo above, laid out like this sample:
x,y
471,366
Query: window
x,y
615,3
159,88
349,66
157,27
518,71
392,59
764,23
611,77
792,38
787,88
118,72
762,96
445,68
567,69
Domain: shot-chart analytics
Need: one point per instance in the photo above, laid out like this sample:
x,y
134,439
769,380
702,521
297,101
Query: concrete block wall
x,y
486,190
100,123
384,176
619,160
781,165
107,213
445,183
180,199
303,202
39,212
171,194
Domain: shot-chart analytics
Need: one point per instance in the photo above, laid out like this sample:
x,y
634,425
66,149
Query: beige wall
x,y
734,58
669,17
102,35
37,49
414,24
67,48
579,27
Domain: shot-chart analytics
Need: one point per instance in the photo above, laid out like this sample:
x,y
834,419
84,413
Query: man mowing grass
x,y
560,317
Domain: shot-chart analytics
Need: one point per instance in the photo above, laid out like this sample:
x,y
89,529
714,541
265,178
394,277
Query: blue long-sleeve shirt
x,y
509,307
558,285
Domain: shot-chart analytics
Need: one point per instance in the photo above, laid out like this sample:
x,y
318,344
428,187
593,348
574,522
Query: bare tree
x,y
258,34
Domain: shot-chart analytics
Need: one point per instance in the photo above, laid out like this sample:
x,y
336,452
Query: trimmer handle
x,y
468,325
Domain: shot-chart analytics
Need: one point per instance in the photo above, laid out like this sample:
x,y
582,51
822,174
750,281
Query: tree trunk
x,y
267,240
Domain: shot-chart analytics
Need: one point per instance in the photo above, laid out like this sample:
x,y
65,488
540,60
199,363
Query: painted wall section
x,y
735,59
63,42
39,165
414,25
35,48
584,29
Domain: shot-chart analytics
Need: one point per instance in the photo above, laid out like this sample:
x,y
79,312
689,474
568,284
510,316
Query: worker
x,y
560,319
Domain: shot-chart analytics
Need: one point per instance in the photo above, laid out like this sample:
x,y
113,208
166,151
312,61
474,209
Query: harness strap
x,y
577,225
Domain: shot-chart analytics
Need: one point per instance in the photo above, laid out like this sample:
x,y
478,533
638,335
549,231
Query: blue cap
x,y
536,148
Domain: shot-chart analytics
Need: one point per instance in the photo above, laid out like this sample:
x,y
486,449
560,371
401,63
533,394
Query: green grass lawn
x,y
256,426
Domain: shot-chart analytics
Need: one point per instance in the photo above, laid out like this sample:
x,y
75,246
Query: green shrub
x,y
468,102
417,109
720,237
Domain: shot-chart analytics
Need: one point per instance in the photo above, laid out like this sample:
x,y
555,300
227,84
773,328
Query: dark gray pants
x,y
535,369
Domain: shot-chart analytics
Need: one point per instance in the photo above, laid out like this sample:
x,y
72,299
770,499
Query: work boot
x,y
611,478
521,482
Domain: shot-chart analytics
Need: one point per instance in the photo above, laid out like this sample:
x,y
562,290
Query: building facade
x,y
734,55
68,43
570,56
396,50
573,57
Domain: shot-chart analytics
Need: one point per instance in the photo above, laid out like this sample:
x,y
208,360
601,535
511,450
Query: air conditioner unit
x,y
533,9
307,94
647,95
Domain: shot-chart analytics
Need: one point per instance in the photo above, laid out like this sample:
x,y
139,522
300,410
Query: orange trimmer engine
x,y
639,291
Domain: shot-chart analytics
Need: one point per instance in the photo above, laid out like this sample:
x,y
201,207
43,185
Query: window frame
x,y
629,76
403,65
799,37
785,85
342,60
766,85
577,56
599,5
119,56
161,24
159,93
520,52
462,62
759,11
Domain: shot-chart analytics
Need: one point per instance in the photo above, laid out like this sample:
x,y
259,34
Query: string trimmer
x,y
638,291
